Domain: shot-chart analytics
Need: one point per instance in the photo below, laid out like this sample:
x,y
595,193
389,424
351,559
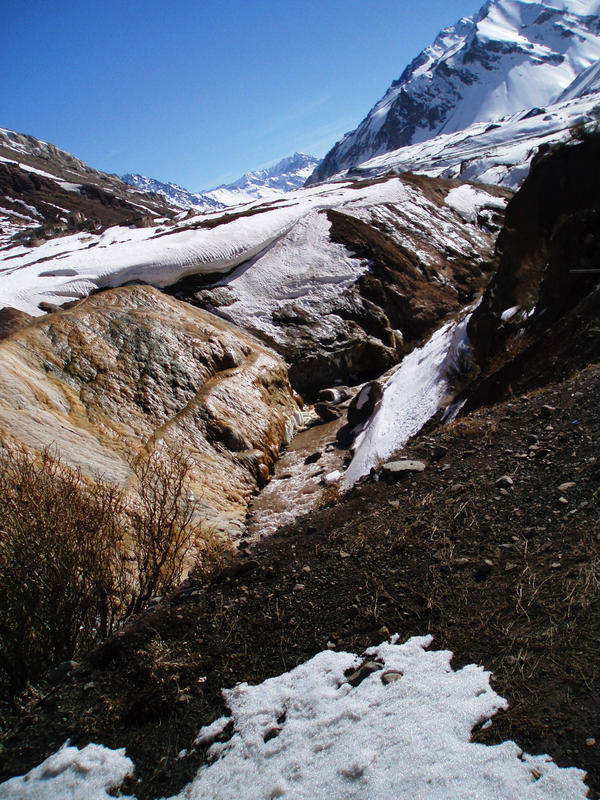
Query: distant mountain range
x,y
512,55
288,174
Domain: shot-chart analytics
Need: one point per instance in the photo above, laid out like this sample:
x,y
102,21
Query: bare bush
x,y
59,538
165,530
78,557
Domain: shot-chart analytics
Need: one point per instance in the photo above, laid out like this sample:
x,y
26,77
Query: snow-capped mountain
x,y
512,55
499,152
288,174
172,192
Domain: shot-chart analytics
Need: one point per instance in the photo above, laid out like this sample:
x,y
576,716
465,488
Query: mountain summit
x,y
512,55
286,175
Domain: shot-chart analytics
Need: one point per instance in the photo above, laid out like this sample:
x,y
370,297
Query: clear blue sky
x,y
199,91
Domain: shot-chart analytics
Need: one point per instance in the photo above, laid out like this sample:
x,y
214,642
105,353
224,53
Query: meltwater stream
x,y
414,391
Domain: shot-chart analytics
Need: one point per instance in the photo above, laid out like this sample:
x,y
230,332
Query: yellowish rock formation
x,y
130,370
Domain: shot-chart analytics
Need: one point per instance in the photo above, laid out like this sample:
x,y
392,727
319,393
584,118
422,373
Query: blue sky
x,y
199,91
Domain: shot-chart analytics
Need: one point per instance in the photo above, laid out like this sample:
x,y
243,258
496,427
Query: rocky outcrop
x,y
538,319
47,192
352,288
130,370
548,250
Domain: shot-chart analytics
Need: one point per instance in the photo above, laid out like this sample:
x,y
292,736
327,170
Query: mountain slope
x,y
493,153
288,174
513,55
45,191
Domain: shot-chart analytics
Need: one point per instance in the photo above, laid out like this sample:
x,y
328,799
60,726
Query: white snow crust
x,y
468,201
72,774
404,739
282,249
412,394
495,153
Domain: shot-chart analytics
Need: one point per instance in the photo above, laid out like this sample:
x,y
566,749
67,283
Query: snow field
x,y
71,267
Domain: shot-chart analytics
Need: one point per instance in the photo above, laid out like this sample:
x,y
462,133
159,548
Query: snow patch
x,y
72,774
309,734
411,396
468,201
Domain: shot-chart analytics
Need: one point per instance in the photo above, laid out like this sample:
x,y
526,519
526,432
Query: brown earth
x,y
505,575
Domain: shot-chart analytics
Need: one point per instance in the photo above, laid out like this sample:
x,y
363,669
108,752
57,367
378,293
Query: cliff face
x,y
538,319
130,370
548,250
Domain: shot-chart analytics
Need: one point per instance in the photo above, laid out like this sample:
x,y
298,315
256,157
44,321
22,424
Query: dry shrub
x,y
78,557
59,538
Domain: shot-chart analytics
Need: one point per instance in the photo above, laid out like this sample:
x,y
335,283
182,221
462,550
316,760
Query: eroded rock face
x,y
129,370
350,289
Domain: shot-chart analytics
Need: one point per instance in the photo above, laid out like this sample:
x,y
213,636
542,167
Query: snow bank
x,y
497,153
403,733
468,201
70,267
411,396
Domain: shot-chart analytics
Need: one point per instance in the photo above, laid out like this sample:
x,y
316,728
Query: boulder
x,y
363,404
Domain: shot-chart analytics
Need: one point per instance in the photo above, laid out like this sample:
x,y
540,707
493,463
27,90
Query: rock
x,y
363,404
144,221
547,411
484,569
345,436
12,320
368,668
332,477
298,587
314,457
439,451
461,562
591,742
334,395
564,487
62,671
327,412
129,369
396,470
505,482
391,676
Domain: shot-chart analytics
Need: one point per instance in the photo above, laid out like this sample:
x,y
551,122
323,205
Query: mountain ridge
x,y
287,174
511,55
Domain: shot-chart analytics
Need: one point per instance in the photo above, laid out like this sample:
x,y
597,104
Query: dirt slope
x,y
505,574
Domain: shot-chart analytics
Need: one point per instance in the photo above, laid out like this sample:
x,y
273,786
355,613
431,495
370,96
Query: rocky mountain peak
x,y
512,55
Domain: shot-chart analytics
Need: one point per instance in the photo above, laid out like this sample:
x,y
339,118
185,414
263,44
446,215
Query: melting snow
x,y
308,734
412,395
468,201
